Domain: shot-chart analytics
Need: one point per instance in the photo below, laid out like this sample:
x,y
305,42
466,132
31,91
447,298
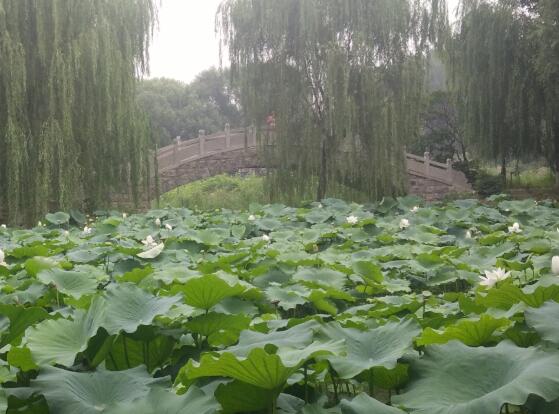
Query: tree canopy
x,y
179,109
70,130
345,80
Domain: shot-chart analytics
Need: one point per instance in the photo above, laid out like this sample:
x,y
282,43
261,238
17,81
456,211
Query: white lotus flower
x,y
158,222
493,276
320,205
3,226
351,220
149,241
39,224
404,223
468,234
266,238
415,209
124,215
252,217
555,265
515,228
2,257
87,230
66,233
168,227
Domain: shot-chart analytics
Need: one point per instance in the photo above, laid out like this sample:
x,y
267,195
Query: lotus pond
x,y
335,308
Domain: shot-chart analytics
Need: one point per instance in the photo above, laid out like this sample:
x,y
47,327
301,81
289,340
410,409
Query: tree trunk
x,y
555,163
504,170
323,173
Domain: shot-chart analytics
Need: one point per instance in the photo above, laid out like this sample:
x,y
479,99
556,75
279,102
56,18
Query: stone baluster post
x,y
176,150
202,141
227,135
427,163
449,171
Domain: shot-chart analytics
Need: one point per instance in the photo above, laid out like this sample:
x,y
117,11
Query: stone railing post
x,y
449,170
427,163
253,135
176,150
202,141
249,133
227,135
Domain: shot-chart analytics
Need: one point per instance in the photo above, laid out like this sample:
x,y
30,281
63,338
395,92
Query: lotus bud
x,y
555,265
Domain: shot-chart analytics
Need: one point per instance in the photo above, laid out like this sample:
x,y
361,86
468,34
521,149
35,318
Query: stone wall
x,y
429,190
228,162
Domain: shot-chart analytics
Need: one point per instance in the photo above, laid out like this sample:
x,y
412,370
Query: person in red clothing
x,y
271,120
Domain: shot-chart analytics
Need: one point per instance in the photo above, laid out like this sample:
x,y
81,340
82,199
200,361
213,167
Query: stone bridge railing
x,y
181,152
193,151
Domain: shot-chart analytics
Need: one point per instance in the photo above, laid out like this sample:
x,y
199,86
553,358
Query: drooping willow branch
x,y
70,132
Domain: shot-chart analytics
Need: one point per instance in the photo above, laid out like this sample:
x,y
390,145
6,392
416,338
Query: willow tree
x,y
345,79
544,35
492,57
70,132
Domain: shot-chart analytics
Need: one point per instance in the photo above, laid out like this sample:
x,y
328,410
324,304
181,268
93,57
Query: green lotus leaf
x,y
507,295
363,404
21,358
170,274
259,368
390,379
240,397
58,218
161,401
209,237
284,297
321,277
85,254
36,264
207,291
69,392
537,246
476,332
125,352
479,380
382,346
78,217
545,320
298,337
212,322
128,307
318,408
368,271
72,283
60,340
20,319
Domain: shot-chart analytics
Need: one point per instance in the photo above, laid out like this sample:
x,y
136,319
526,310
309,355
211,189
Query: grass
x,y
221,191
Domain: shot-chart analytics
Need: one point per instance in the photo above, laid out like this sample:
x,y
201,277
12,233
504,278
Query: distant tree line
x,y
179,109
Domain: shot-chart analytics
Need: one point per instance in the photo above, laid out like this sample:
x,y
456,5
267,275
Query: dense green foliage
x,y
345,80
328,309
70,132
221,191
504,62
176,109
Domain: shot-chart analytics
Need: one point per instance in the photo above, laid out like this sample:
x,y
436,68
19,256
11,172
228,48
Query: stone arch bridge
x,y
234,150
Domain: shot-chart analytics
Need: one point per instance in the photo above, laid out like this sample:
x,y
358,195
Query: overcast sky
x,y
186,43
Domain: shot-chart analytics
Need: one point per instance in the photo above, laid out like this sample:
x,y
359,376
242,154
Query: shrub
x,y
221,191
487,185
